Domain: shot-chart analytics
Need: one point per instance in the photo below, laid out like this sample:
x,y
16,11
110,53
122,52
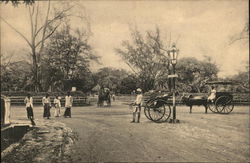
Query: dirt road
x,y
106,134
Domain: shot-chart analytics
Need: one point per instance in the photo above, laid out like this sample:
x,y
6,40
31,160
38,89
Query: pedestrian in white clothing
x,y
57,104
68,105
29,106
137,108
212,95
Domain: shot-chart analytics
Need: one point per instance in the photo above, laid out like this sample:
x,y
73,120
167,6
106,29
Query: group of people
x,y
69,101
47,106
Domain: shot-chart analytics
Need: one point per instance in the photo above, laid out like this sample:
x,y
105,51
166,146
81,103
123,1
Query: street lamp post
x,y
173,54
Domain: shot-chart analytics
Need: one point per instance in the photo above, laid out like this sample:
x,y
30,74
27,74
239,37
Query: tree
x,y
241,79
66,60
18,2
128,84
15,76
111,78
145,57
193,74
40,32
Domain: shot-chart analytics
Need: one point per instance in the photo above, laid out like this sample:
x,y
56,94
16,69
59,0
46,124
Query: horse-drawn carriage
x,y
158,109
222,102
104,95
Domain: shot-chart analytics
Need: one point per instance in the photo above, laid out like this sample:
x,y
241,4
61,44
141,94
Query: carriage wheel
x,y
147,107
227,109
146,112
166,115
156,113
211,107
224,104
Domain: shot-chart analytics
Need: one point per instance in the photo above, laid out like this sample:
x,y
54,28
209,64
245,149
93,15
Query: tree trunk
x,y
35,70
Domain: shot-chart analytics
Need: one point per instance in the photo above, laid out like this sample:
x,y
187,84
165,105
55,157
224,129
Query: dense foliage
x,y
145,57
242,81
15,75
66,61
118,80
193,74
18,2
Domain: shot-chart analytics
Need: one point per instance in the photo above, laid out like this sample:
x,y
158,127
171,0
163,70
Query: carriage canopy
x,y
223,86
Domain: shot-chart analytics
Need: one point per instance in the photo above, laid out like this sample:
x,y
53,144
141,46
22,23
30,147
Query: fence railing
x,y
37,100
238,98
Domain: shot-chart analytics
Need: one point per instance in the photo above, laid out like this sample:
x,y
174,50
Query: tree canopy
x,y
15,76
66,59
193,74
145,57
111,78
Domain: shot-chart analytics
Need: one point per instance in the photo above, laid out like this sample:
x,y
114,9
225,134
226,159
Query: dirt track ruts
x,y
106,134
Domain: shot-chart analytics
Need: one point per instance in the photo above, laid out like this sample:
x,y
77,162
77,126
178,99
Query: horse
x,y
198,100
104,95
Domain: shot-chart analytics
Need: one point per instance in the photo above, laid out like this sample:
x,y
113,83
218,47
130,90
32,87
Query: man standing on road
x,y
68,105
137,108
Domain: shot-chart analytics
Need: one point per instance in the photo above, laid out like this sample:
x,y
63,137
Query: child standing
x,y
57,104
137,108
29,106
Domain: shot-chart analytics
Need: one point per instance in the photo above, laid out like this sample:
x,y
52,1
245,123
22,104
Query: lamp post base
x,y
174,121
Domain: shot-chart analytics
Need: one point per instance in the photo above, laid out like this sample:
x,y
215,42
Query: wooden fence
x,y
238,98
37,100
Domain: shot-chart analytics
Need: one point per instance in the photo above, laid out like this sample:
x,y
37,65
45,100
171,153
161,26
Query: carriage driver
x,y
137,108
212,95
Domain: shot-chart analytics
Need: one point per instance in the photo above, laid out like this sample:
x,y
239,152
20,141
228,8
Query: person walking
x,y
29,106
68,105
137,108
57,104
46,106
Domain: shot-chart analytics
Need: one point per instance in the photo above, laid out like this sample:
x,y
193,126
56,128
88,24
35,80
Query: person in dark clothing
x,y
46,106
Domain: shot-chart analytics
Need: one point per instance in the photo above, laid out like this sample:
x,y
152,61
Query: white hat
x,y
138,90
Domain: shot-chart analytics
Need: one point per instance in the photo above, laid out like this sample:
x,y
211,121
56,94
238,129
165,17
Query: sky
x,y
204,27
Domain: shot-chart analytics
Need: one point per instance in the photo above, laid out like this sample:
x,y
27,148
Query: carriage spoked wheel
x,y
146,112
166,114
224,104
211,106
147,108
157,110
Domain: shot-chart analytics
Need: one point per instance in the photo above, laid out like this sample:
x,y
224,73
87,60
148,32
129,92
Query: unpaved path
x,y
106,134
